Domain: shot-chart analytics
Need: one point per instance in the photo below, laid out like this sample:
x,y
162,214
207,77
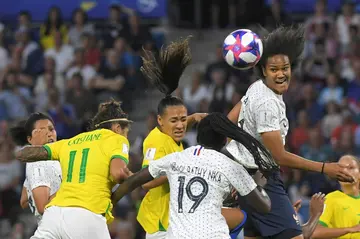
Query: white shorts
x,y
156,235
71,223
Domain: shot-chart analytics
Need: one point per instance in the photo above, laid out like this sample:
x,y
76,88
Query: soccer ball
x,y
242,49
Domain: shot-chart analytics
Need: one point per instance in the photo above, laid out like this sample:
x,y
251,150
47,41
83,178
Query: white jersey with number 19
x,y
262,110
200,179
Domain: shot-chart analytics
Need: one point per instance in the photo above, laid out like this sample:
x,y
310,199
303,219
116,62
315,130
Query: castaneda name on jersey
x,y
212,175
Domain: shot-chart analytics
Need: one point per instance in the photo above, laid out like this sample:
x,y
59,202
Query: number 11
x,y
85,153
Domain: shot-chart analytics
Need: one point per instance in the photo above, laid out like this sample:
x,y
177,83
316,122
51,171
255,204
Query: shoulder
x,y
155,138
334,196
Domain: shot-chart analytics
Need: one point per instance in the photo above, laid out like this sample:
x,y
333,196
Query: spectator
x,y
332,91
63,54
4,56
348,125
220,91
320,17
92,52
79,27
111,79
53,23
138,36
62,114
15,99
79,66
276,15
316,149
83,100
300,134
331,120
344,20
308,103
193,94
353,89
24,22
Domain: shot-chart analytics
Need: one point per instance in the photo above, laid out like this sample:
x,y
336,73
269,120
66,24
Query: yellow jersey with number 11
x,y
85,163
341,211
153,213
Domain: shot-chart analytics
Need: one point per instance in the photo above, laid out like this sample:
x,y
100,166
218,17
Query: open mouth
x,y
179,133
279,82
50,141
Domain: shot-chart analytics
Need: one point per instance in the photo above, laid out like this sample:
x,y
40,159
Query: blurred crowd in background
x,y
66,68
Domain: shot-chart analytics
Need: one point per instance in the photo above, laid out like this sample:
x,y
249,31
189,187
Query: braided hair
x,y
214,130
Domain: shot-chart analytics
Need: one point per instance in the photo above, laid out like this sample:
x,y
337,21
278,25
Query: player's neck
x,y
351,190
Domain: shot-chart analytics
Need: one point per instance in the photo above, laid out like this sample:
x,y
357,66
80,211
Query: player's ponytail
x,y
23,130
215,128
164,71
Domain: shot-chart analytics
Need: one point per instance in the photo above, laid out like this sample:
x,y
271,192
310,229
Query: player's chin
x,y
281,88
178,136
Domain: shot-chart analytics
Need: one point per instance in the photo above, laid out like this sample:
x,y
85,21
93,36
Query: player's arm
x,y
154,170
323,232
253,194
131,183
117,149
148,157
316,209
195,118
24,201
234,113
268,126
39,184
32,154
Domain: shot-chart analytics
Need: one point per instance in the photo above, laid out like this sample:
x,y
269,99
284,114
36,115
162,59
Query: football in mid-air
x,y
242,49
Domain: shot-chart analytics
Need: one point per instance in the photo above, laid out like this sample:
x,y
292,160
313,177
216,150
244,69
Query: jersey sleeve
x,y
327,215
159,167
36,176
117,146
238,177
151,154
267,117
54,149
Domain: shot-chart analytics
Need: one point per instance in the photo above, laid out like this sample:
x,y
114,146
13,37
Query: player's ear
x,y
263,71
29,139
159,120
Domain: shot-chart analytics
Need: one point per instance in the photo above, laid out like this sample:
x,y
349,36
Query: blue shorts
x,y
282,217
235,232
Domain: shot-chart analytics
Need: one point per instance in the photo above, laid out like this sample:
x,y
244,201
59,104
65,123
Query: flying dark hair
x,y
24,129
214,130
108,113
287,41
164,71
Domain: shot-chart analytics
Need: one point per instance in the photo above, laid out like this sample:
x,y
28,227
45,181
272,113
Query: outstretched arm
x,y
32,154
316,209
131,183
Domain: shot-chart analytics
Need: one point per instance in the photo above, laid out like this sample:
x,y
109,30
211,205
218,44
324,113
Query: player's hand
x,y
234,194
39,136
354,229
317,204
297,206
197,117
339,172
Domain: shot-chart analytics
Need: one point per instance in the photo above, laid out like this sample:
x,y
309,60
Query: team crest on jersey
x,y
150,154
296,219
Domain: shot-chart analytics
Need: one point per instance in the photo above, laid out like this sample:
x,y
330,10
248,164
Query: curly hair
x,y
108,113
287,41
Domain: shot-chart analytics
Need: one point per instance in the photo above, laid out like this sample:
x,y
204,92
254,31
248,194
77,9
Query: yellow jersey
x,y
340,211
85,163
153,213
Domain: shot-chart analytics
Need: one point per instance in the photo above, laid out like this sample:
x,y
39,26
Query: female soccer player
x,y
165,73
341,215
92,163
43,179
200,177
262,114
